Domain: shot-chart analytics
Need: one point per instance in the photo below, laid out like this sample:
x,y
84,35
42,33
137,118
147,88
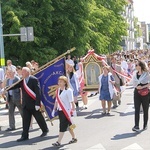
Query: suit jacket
x,y
15,92
28,101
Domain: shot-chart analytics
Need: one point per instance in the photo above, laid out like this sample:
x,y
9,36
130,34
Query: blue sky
x,y
142,10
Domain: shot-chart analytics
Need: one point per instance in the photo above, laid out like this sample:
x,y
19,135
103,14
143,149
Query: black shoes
x,y
145,127
115,106
57,144
44,133
119,102
10,129
136,129
22,139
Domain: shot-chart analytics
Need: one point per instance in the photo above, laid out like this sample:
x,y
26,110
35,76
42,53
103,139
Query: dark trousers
x,y
138,100
64,122
27,113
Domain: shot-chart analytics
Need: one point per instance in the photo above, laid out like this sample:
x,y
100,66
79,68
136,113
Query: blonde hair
x,y
65,79
107,67
73,70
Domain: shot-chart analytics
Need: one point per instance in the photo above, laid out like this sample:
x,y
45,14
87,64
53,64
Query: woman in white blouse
x,y
65,105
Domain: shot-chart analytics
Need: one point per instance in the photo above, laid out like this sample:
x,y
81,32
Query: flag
x,y
48,79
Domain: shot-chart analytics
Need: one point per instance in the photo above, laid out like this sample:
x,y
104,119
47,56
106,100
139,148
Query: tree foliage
x,y
60,25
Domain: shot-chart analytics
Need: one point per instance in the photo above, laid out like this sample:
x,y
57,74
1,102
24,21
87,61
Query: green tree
x,y
71,25
112,25
60,25
36,13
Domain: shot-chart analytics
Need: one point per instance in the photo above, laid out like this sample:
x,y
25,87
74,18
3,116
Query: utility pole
x,y
2,57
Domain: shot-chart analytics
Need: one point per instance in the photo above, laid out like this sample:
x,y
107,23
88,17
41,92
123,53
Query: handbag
x,y
143,92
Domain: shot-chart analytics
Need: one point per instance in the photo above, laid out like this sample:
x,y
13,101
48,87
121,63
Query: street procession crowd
x,y
120,69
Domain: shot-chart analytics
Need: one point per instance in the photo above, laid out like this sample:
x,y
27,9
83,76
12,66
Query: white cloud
x,y
142,10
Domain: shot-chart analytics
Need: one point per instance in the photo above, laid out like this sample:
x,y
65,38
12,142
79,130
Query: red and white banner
x,y
28,90
91,52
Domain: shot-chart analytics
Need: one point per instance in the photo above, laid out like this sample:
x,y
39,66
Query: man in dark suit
x,y
31,101
13,98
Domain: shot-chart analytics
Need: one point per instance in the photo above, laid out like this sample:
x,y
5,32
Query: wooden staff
x,y
53,61
46,65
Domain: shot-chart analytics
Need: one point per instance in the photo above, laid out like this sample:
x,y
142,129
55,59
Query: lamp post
x,y
2,57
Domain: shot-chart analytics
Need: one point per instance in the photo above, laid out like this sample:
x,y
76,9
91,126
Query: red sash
x,y
81,78
121,74
67,114
28,90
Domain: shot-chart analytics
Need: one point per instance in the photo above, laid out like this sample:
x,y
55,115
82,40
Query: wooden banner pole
x,y
46,65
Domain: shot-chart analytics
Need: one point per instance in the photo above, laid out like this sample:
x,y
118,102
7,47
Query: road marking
x,y
134,146
97,147
64,148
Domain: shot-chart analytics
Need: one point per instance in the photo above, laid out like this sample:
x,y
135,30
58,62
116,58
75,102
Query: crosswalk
x,y
99,146
133,146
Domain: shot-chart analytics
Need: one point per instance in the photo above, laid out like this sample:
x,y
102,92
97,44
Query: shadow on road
x,y
32,141
124,114
96,114
10,133
125,135
62,147
6,133
80,114
130,103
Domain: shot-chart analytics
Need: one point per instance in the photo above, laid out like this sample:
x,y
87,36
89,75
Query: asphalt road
x,y
94,131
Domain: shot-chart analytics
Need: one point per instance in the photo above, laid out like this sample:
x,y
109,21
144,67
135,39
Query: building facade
x,y
138,36
129,40
145,32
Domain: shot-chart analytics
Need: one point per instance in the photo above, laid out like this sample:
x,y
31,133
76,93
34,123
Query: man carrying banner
x,y
65,105
116,70
31,101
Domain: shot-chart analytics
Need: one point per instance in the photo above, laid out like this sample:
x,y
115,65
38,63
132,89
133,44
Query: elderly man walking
x,y
13,98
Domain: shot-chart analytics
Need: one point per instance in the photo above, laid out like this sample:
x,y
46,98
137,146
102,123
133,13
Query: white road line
x,y
134,146
64,148
97,147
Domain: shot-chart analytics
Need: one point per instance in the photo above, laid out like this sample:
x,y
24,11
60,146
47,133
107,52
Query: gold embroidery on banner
x,y
52,90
